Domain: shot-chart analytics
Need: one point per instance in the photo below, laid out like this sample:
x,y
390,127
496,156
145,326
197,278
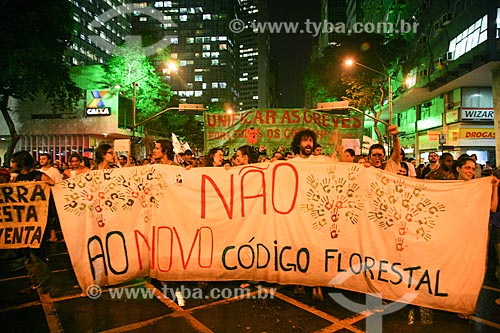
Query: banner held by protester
x,y
339,225
23,214
276,127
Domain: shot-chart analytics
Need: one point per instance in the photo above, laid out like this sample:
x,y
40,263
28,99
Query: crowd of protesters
x,y
304,146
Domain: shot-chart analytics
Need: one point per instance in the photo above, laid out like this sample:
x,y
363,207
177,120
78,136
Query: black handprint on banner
x,y
352,172
339,184
418,189
312,181
353,187
400,185
325,184
312,195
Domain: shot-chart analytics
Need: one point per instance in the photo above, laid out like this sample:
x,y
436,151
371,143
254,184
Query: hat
x,y
188,152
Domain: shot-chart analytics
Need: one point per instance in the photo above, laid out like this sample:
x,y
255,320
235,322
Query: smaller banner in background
x,y
23,214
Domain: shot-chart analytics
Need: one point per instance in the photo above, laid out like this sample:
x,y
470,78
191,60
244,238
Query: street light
x,y
350,62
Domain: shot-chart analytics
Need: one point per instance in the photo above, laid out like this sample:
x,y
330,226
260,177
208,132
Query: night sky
x,y
292,52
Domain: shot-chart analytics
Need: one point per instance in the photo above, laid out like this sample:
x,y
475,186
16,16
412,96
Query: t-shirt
x,y
440,174
33,176
315,158
392,167
53,173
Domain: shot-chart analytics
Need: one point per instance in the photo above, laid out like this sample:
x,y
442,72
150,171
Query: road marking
x,y
485,322
50,311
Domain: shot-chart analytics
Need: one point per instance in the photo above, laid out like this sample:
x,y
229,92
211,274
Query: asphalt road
x,y
149,306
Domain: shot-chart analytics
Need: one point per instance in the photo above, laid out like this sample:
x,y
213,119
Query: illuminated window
x,y
469,38
183,18
207,17
198,78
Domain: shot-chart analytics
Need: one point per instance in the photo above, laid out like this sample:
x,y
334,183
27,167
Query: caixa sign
x,y
98,111
477,114
96,106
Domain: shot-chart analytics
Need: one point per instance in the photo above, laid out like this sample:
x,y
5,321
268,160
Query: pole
x,y
389,140
134,96
390,99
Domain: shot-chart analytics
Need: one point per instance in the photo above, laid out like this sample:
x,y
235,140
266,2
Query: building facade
x,y
101,25
97,35
201,45
254,57
447,103
215,65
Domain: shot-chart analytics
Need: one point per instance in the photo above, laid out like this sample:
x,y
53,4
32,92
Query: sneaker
x,y
411,317
426,316
180,298
317,294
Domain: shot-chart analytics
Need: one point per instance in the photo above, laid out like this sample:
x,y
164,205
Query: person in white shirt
x,y
46,167
303,144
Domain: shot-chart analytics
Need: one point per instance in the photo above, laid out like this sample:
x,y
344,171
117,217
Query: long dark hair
x,y
210,156
167,148
460,162
24,160
100,151
250,152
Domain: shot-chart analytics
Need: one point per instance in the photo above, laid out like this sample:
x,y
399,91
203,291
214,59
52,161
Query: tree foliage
x,y
131,65
153,92
35,35
329,79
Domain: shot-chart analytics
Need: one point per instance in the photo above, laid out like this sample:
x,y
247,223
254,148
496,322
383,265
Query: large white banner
x,y
305,223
